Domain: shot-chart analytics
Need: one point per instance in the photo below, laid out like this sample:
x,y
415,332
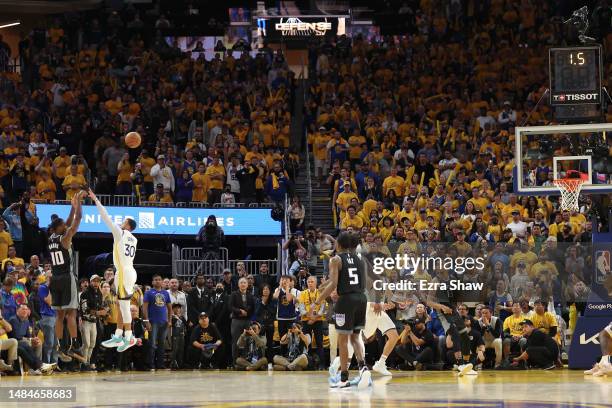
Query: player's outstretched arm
x,y
105,217
77,209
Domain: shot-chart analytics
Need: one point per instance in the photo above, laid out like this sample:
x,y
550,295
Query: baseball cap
x,y
489,206
322,128
515,212
203,314
161,156
226,271
526,321
94,277
160,185
418,320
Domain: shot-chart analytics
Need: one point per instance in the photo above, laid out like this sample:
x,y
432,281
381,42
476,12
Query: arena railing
x,y
188,262
131,201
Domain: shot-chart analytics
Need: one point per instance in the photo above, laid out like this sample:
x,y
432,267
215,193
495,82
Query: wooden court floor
x,y
515,389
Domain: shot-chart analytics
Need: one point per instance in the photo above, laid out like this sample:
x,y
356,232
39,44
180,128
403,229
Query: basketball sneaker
x,y
465,369
381,368
592,370
114,341
334,367
126,344
334,380
365,378
604,370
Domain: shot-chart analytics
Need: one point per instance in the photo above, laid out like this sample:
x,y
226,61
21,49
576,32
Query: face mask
x,y
219,290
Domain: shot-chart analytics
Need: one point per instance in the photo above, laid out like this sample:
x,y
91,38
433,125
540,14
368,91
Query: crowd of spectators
x,y
412,136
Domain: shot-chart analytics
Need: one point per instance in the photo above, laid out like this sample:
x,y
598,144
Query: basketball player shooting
x,y
124,251
347,276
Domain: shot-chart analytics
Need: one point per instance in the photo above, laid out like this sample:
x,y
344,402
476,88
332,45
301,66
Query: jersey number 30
x,y
130,250
354,277
57,258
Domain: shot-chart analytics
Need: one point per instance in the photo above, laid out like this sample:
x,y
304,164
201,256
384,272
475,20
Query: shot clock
x,y
575,75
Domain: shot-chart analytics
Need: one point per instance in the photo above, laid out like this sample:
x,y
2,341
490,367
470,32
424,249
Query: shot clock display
x,y
575,75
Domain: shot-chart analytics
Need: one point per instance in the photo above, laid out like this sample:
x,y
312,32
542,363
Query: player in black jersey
x,y
347,276
63,285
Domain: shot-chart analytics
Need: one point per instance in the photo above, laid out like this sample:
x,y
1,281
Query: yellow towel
x,y
275,184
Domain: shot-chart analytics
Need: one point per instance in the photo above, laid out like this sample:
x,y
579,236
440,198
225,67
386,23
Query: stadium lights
x,y
11,24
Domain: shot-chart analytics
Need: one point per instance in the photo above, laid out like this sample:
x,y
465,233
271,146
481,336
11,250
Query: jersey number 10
x,y
57,258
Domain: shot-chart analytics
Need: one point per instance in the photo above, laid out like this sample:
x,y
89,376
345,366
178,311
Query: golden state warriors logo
x,y
160,300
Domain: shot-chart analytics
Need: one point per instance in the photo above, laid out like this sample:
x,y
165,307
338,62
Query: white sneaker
x,y
604,369
593,370
471,372
334,367
270,367
47,368
381,368
455,367
34,372
365,379
465,368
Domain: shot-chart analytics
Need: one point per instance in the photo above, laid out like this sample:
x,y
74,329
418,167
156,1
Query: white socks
x,y
118,332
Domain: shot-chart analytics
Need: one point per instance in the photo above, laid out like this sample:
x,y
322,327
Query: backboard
x,y
546,153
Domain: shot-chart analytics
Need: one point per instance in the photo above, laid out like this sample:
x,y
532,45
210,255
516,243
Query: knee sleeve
x,y
126,315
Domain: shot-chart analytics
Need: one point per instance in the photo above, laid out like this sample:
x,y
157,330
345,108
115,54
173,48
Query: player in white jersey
x,y
124,251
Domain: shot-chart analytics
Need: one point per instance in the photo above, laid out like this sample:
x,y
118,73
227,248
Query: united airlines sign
x,y
171,221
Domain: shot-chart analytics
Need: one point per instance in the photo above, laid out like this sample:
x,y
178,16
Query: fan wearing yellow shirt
x,y
344,199
514,341
201,184
480,203
46,187
160,195
351,219
319,148
407,211
216,174
544,320
73,182
421,223
355,141
393,182
12,258
61,164
146,162
124,179
5,240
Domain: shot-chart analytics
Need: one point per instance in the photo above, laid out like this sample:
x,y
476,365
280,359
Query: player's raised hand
x,y
91,194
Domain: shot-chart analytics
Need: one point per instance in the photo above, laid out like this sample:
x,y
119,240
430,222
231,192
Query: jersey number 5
x,y
354,277
57,258
130,250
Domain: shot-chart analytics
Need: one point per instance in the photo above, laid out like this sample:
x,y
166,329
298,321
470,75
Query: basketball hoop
x,y
570,191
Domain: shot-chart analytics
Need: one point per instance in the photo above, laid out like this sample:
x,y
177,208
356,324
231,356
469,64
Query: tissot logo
x,y
295,27
593,339
592,96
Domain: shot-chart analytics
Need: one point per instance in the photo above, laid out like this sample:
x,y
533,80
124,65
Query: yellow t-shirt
x,y
213,170
146,165
70,179
61,166
544,322
356,222
201,184
124,173
5,242
46,190
513,324
16,261
395,183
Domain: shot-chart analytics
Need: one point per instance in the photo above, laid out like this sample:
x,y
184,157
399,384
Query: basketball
x,y
132,140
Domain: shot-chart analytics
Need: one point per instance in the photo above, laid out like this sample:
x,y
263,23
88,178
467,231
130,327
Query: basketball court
x,y
536,388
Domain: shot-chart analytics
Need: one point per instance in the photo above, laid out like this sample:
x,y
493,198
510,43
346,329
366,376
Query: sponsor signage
x,y
575,75
171,221
585,349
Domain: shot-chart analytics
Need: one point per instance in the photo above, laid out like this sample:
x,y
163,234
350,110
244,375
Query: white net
x,y
570,191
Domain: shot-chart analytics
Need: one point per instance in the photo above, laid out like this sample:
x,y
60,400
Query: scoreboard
x,y
575,75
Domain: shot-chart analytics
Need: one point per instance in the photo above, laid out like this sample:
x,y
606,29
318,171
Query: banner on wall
x,y
171,221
